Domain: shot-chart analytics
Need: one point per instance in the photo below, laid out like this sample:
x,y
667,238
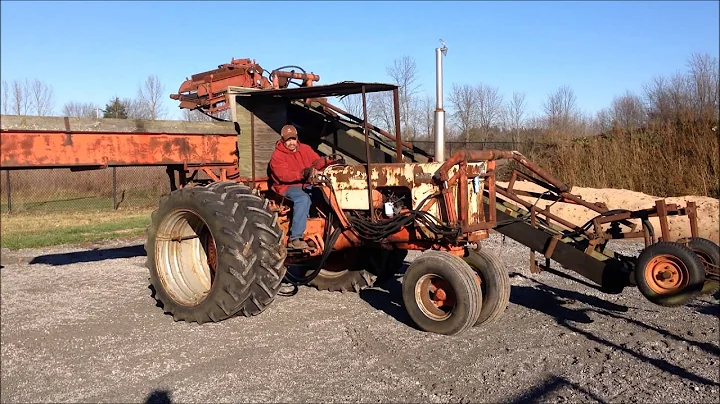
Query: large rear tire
x,y
442,293
259,225
213,251
495,285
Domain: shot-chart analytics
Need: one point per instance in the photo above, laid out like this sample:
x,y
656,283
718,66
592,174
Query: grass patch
x,y
43,230
69,202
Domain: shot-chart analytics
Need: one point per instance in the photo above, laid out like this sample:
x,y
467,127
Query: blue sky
x,y
91,51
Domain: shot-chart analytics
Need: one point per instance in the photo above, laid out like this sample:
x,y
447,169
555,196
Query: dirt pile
x,y
707,208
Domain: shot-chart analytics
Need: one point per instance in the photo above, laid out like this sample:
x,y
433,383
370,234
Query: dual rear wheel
x,y
213,252
447,294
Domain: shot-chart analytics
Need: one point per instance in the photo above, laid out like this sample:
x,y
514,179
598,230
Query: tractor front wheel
x,y
495,284
442,293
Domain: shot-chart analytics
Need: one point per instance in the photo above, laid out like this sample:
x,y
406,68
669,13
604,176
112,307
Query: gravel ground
x,y
79,325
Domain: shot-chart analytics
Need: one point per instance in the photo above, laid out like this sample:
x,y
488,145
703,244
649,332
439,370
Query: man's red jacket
x,y
286,166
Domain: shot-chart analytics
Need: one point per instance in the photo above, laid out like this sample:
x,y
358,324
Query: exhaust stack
x,y
439,111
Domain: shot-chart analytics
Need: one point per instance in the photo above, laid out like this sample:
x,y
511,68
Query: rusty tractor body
x,y
217,243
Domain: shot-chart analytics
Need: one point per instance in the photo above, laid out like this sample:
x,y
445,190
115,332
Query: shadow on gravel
x,y
90,255
388,298
550,300
712,310
158,397
554,294
540,392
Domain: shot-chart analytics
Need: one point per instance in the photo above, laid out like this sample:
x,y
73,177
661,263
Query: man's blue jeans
x,y
301,209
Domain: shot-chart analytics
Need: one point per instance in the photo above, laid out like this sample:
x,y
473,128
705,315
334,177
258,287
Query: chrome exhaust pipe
x,y
439,111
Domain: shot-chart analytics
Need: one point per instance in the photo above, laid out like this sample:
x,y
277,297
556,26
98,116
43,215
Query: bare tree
x,y
150,99
74,109
42,98
669,99
463,100
353,104
560,109
629,111
21,97
489,107
514,114
427,119
137,109
603,121
382,112
704,83
404,73
5,97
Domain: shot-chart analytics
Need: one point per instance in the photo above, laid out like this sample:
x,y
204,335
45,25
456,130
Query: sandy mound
x,y
707,208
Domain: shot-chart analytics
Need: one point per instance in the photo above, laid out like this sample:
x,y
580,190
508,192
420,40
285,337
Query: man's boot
x,y
298,244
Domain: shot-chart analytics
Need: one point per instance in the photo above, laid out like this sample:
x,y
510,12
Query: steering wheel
x,y
336,158
320,177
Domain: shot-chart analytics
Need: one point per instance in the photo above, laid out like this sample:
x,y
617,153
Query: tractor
x,y
216,247
217,243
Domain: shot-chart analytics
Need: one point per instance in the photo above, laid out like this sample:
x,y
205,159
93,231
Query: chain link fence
x,y
57,190
452,147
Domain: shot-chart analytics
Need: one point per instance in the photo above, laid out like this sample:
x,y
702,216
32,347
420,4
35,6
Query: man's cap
x,y
288,132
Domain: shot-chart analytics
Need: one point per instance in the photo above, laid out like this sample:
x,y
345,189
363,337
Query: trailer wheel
x,y
669,274
442,293
495,285
206,248
709,254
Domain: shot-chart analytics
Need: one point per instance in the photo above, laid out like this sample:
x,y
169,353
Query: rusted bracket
x,y
662,216
692,216
68,133
551,246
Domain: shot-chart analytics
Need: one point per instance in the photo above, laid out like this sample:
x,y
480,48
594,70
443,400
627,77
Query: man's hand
x,y
307,172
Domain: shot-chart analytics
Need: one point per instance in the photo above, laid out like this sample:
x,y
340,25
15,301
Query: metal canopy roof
x,y
326,90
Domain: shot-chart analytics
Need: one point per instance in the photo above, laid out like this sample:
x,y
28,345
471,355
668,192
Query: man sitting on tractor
x,y
291,165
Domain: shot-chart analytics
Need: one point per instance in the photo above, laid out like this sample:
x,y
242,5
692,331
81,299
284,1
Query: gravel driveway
x,y
79,325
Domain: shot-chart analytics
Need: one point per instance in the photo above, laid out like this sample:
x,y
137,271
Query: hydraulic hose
x,y
272,73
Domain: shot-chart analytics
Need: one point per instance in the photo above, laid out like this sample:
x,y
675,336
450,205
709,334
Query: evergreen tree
x,y
115,109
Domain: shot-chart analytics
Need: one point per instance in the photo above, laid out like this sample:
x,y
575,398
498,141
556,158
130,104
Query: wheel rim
x,y
666,274
185,257
435,297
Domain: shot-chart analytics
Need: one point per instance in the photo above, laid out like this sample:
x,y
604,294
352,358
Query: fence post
x,y
114,188
7,185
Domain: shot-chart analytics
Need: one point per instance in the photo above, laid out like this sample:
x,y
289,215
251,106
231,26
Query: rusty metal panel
x,y
350,184
59,149
37,124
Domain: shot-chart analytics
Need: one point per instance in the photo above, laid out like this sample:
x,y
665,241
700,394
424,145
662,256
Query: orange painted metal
x,y
57,149
666,274
210,88
281,78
